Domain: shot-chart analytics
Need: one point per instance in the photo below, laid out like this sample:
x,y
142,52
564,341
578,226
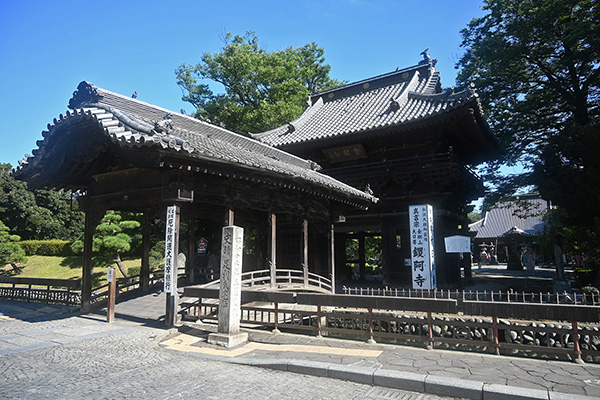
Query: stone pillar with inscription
x,y
230,291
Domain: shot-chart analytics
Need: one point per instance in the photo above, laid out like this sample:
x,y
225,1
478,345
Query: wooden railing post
x,y
576,346
495,331
276,330
430,330
319,321
371,340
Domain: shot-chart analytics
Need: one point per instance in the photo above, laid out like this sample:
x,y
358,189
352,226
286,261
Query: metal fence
x,y
49,291
509,296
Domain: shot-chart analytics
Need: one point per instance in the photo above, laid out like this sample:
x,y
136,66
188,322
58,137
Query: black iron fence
x,y
64,291
509,296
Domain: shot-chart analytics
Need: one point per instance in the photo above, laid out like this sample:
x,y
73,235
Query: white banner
x,y
422,248
170,283
458,244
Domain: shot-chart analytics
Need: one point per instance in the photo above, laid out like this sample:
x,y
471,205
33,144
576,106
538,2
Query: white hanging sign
x,y
110,275
170,260
458,244
422,247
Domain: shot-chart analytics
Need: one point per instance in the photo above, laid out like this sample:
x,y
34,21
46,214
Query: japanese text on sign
x,y
422,250
170,272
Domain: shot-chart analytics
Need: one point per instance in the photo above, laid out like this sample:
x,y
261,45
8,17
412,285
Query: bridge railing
x,y
42,290
284,279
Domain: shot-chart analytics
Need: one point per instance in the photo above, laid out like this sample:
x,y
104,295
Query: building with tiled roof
x,y
410,142
119,153
514,223
524,216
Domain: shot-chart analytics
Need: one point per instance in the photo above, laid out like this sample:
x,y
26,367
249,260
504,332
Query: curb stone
x,y
430,384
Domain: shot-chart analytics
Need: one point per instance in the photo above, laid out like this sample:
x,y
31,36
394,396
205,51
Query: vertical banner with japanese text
x,y
422,247
170,267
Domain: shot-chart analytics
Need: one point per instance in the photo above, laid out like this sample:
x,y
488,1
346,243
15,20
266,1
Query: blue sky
x,y
48,47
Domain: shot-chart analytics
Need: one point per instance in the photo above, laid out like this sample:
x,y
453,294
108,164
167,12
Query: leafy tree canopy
x,y
10,251
263,89
113,237
40,214
536,64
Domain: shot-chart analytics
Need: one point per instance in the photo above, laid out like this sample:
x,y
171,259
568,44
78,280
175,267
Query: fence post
x,y
319,321
276,330
576,347
430,330
496,341
371,340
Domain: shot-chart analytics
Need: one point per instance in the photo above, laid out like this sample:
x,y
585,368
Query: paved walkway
x,y
435,372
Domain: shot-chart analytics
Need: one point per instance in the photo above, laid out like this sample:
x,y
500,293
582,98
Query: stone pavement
x,y
139,333
441,372
73,356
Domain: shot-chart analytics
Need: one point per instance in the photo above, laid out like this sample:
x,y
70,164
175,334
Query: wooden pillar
x,y
331,256
362,256
191,258
112,296
230,217
305,252
273,250
145,269
92,219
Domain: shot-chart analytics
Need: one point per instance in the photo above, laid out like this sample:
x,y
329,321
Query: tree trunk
x,y
16,268
120,265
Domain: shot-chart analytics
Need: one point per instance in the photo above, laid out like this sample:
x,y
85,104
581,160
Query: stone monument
x,y
230,292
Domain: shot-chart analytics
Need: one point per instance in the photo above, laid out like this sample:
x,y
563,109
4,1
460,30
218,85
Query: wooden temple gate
x,y
118,153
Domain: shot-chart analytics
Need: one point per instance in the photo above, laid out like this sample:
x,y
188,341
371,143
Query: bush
x,y
61,248
134,271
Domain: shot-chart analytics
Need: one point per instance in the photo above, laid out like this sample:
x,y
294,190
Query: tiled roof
x,y
134,124
389,100
509,217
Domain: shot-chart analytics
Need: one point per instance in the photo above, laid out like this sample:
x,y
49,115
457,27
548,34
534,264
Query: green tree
x,y
112,238
10,251
263,89
40,214
536,64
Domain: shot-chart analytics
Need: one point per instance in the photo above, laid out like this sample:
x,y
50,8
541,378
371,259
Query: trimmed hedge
x,y
61,248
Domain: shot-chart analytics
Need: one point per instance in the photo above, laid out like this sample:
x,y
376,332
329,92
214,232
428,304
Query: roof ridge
x,y
398,72
88,93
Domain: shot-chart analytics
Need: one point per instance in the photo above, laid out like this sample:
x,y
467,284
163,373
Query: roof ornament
x,y
394,104
291,127
427,60
85,93
163,126
368,190
134,95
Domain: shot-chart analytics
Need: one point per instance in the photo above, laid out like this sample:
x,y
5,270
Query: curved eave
x,y
41,169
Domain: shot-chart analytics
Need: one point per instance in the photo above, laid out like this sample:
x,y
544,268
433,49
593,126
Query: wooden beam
x,y
92,219
230,217
273,249
191,259
331,256
145,269
305,252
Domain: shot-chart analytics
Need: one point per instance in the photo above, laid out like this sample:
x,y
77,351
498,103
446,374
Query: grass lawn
x,y
63,268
